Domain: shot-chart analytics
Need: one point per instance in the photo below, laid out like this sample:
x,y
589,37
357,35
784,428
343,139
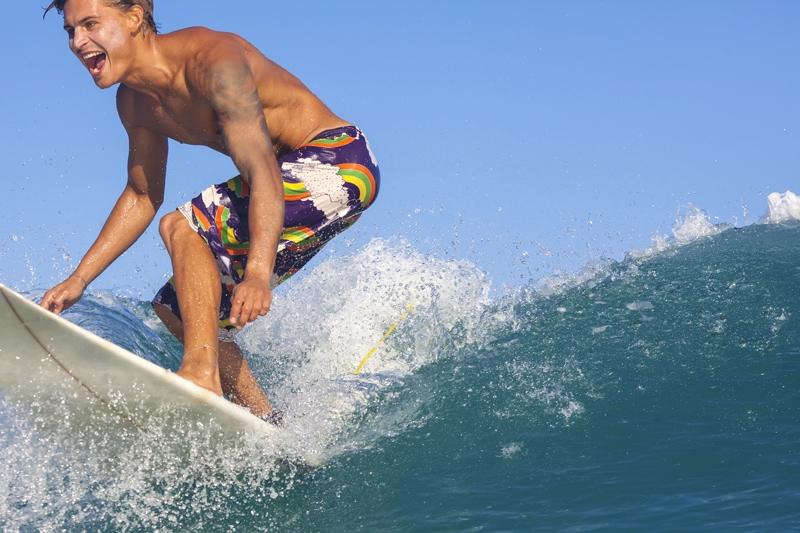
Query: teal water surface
x,y
658,393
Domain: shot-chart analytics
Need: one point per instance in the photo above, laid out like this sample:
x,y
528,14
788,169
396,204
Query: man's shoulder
x,y
192,33
201,43
216,55
219,47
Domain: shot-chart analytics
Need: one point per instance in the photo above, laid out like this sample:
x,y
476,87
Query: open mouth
x,y
94,61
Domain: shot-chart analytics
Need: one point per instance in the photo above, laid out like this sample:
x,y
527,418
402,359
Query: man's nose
x,y
78,39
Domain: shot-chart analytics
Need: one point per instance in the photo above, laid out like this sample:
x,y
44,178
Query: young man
x,y
305,175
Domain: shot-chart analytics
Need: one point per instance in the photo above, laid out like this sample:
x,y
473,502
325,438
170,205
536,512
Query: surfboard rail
x,y
37,347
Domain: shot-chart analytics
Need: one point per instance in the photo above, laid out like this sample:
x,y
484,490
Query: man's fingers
x,y
247,313
236,307
56,304
263,309
254,314
251,312
266,302
247,304
49,302
61,297
240,311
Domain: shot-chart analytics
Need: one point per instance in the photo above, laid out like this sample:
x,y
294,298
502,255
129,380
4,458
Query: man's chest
x,y
188,121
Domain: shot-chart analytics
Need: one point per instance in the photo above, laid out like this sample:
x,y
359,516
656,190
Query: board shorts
x,y
327,185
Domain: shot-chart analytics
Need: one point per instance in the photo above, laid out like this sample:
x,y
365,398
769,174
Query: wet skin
x,y
202,87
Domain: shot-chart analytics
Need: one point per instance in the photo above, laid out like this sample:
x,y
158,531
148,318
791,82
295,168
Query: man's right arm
x,y
132,213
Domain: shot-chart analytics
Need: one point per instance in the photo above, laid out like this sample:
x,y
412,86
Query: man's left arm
x,y
229,84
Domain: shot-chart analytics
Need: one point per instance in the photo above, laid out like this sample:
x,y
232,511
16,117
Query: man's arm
x,y
132,213
227,82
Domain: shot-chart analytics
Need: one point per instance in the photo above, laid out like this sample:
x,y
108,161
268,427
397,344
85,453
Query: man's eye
x,y
90,25
71,33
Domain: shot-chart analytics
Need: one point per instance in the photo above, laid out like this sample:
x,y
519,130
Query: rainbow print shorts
x,y
327,184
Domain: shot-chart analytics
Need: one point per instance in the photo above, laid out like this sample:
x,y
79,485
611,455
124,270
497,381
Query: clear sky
x,y
524,136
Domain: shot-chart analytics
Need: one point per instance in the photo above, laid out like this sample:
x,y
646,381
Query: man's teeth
x,y
90,55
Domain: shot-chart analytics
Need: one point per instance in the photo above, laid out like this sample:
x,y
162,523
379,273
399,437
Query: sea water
x,y
660,392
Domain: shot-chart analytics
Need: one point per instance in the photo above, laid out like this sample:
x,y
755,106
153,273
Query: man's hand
x,y
250,299
64,295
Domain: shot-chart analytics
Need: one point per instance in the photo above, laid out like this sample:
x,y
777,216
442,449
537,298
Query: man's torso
x,y
294,115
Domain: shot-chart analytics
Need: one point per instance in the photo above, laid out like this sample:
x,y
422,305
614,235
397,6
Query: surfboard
x,y
45,360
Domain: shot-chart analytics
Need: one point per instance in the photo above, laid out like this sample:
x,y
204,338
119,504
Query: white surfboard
x,y
47,360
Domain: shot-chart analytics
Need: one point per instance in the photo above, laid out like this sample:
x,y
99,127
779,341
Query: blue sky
x,y
526,137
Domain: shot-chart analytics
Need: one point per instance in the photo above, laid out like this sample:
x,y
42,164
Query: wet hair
x,y
125,5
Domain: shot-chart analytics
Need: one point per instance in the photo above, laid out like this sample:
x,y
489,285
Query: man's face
x,y
100,35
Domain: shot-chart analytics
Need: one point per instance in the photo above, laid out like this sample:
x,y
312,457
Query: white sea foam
x,y
510,450
782,208
689,226
78,476
694,224
318,332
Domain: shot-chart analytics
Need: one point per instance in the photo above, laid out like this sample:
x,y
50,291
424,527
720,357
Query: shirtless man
x,y
305,175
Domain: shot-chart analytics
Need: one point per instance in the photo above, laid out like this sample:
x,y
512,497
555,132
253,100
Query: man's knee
x,y
171,226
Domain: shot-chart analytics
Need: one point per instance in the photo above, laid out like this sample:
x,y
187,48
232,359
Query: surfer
x,y
305,175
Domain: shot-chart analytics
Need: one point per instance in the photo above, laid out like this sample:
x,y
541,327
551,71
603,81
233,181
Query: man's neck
x,y
151,71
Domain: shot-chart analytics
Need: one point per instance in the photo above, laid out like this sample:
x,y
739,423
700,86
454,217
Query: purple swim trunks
x,y
327,184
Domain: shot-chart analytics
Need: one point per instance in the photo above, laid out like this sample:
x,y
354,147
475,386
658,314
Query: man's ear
x,y
135,17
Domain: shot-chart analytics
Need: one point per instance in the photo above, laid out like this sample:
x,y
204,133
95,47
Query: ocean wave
x,y
666,378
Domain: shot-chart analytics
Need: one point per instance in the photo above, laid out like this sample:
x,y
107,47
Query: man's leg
x,y
197,283
238,382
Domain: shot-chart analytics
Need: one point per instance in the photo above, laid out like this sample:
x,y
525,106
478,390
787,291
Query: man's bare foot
x,y
202,377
